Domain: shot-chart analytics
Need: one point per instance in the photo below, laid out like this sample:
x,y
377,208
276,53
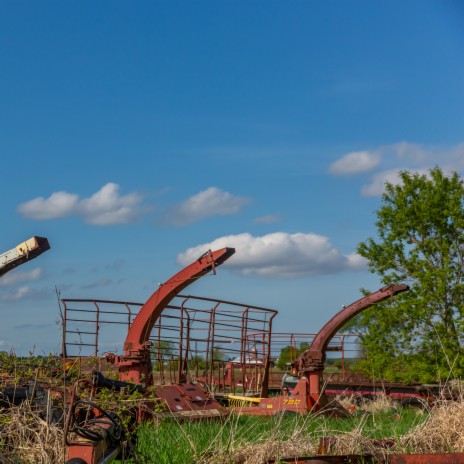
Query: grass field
x,y
27,439
255,439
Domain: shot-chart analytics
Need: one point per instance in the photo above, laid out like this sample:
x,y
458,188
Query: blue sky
x,y
136,135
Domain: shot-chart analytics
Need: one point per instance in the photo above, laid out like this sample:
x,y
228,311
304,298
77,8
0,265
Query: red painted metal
x,y
310,364
188,401
134,366
347,459
307,396
444,458
141,327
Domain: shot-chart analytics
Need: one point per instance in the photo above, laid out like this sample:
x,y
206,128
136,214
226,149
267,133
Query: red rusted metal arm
x,y
314,357
142,325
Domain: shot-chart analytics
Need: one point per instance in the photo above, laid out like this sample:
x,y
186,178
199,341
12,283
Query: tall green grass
x,y
170,441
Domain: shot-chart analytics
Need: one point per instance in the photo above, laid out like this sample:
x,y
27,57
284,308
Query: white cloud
x,y
19,294
377,185
24,293
59,204
105,207
207,203
355,162
15,276
410,152
401,156
279,255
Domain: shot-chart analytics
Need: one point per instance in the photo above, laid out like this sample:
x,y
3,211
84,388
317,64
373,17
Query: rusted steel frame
x,y
343,337
444,458
293,348
326,447
88,300
323,337
311,362
227,302
265,382
439,458
243,350
208,344
181,341
225,313
211,337
183,358
160,357
139,332
97,328
187,346
129,316
64,351
250,370
347,459
67,319
172,366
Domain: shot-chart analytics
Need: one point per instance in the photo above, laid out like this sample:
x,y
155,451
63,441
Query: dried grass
x,y
26,438
262,451
442,432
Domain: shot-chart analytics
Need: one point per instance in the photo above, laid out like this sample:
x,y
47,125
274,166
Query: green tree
x,y
289,354
420,227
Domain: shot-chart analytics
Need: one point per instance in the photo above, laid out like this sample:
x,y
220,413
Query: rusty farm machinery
x,y
195,351
191,357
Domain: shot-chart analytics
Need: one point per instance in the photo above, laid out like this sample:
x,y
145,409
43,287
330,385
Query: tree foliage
x,y
420,228
289,353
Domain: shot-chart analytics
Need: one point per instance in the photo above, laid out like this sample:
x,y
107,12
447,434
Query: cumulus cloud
x,y
377,184
105,207
58,204
355,162
280,255
386,162
210,202
16,277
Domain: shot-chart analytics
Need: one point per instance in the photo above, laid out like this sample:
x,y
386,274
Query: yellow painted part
x,y
235,400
